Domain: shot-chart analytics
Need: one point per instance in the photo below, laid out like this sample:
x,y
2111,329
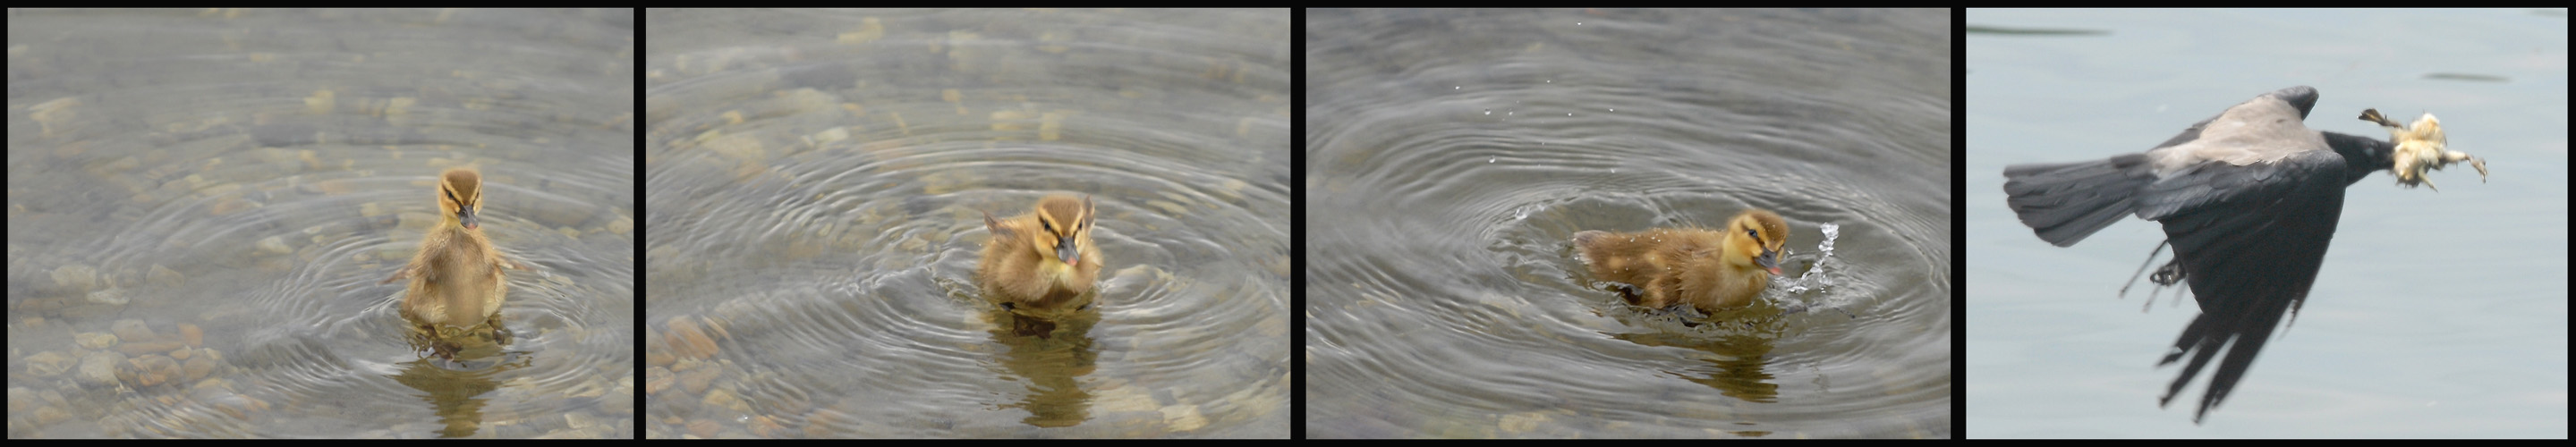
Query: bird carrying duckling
x,y
2248,199
1042,263
1712,270
2420,148
456,282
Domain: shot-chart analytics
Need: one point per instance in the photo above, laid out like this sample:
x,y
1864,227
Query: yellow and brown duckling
x,y
1712,270
2421,147
456,282
1042,263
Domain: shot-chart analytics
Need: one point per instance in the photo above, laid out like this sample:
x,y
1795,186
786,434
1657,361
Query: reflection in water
x,y
453,393
1049,354
1738,354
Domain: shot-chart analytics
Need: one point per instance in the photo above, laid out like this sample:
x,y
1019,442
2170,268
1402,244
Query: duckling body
x,y
1042,262
456,280
1712,270
2421,147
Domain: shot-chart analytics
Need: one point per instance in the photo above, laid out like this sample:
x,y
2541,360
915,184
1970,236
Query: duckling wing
x,y
417,269
399,274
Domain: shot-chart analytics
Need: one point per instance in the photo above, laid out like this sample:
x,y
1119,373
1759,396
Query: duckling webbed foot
x,y
500,335
1662,311
1028,326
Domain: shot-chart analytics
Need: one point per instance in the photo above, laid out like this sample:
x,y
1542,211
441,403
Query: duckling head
x,y
460,196
1064,228
1755,237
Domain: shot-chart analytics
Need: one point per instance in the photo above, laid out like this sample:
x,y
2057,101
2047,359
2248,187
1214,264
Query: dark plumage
x,y
2249,201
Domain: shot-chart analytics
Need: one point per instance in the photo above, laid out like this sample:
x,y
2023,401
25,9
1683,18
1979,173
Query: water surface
x,y
1451,154
203,204
818,181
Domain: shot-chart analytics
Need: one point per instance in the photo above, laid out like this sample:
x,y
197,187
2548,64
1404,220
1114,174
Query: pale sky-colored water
x,y
2436,315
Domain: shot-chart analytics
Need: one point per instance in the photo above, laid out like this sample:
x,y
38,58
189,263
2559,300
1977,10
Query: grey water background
x,y
2436,314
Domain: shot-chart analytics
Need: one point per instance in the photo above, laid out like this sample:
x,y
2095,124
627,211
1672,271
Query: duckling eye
x,y
1756,234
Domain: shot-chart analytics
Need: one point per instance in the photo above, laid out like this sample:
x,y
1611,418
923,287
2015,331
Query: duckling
x,y
2421,148
1042,262
456,283
1712,270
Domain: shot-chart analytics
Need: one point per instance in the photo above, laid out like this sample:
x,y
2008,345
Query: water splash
x,y
1816,277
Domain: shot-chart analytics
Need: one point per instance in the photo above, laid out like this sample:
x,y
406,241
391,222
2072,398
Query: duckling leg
x,y
500,335
1028,326
1628,293
444,349
2474,162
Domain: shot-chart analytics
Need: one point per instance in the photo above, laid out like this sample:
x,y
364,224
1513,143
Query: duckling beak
x,y
1769,259
1064,250
466,216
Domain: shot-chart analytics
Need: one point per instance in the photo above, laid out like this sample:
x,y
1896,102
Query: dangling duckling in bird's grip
x,y
2421,148
1041,264
1711,270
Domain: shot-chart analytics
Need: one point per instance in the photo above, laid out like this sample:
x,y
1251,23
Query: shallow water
x,y
817,182
203,203
1451,154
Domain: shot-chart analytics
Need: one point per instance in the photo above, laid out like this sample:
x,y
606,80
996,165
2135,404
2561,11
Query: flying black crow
x,y
2248,200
